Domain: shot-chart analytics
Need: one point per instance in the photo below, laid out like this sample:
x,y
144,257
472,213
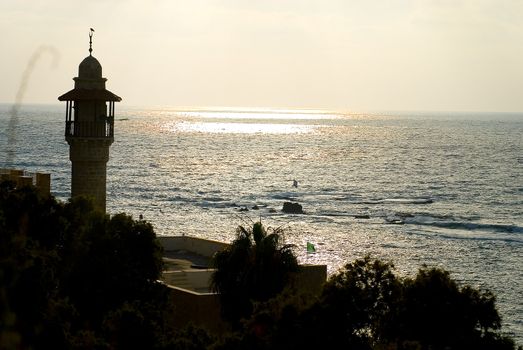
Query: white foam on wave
x,y
468,230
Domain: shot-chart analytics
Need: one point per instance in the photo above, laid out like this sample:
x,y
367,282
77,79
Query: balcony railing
x,y
99,129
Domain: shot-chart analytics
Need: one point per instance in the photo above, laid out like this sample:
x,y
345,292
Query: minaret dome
x,y
90,68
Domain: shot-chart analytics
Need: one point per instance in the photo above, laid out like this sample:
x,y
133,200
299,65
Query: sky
x,y
350,55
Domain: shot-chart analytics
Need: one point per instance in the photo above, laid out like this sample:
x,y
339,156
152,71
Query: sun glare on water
x,y
238,128
246,122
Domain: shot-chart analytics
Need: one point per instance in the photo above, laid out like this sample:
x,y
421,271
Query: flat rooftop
x,y
183,260
188,262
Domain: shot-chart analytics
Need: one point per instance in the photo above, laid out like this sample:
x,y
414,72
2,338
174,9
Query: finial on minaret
x,y
91,41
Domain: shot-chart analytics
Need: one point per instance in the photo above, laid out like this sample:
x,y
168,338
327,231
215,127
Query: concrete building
x,y
89,130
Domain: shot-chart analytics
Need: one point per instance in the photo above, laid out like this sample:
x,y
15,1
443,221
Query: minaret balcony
x,y
90,129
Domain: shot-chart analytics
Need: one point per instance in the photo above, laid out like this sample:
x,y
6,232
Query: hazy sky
x,y
335,54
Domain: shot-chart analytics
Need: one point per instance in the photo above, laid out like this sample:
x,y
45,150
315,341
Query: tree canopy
x,y
68,272
367,306
256,267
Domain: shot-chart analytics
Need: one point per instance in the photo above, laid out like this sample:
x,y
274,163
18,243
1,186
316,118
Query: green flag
x,y
310,248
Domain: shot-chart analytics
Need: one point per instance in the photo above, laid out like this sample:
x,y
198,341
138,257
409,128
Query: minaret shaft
x,y
89,157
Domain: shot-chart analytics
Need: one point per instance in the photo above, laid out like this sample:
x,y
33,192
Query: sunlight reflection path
x,y
238,128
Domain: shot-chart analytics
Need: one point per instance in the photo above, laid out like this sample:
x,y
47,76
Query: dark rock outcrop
x,y
292,208
362,216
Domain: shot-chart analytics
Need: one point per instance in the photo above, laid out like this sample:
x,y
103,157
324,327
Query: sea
x,y
413,188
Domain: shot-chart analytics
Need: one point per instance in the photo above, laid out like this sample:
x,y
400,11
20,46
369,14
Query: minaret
x,y
89,129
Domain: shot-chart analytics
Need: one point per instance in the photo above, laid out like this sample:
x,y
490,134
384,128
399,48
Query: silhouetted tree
x,y
346,314
437,313
111,261
256,267
190,338
68,274
360,297
30,231
366,306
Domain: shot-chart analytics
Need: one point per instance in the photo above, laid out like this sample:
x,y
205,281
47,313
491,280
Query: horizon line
x,y
261,109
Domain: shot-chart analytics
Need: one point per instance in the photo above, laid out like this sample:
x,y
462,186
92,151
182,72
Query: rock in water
x,y
292,208
362,216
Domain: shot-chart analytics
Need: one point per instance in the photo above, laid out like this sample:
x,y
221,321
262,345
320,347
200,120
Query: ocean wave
x,y
213,199
389,201
178,198
468,226
291,196
474,236
335,213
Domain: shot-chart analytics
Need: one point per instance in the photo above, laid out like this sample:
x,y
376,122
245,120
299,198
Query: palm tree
x,y
256,267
